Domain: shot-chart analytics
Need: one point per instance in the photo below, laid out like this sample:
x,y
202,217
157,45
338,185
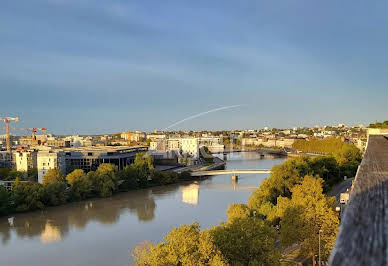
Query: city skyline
x,y
95,67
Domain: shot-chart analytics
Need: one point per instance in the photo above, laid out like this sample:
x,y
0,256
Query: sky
x,y
95,67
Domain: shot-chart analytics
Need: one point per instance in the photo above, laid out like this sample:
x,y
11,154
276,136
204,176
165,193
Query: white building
x,y
190,146
50,159
25,160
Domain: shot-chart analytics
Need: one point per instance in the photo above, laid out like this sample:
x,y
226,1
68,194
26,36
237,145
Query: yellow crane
x,y
6,122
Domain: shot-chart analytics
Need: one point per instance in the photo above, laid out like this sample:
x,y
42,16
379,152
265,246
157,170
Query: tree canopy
x,y
305,214
53,176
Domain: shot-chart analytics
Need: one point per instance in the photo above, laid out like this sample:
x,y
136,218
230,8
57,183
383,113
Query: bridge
x,y
233,172
363,234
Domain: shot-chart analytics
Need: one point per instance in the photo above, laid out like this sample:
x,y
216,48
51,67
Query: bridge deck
x,y
363,235
236,171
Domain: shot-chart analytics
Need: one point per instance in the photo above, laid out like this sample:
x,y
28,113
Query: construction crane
x,y
33,133
6,122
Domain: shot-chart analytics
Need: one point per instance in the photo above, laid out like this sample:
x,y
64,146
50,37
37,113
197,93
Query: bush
x,y
27,196
55,194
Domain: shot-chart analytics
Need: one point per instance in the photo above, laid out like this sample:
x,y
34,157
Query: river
x,y
105,231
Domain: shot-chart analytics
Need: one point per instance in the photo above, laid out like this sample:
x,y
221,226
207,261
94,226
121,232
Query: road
x,y
340,188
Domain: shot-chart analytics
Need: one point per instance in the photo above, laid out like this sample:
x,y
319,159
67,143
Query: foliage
x,y
104,180
53,176
165,177
246,241
348,153
4,201
27,196
237,211
144,165
326,145
55,194
284,176
185,245
32,174
129,175
307,212
379,124
8,174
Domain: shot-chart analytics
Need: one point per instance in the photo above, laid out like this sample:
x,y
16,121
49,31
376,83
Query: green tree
x,y
27,195
348,153
32,174
165,177
104,180
185,245
55,194
307,212
282,178
81,185
237,211
4,201
129,176
144,165
53,176
246,241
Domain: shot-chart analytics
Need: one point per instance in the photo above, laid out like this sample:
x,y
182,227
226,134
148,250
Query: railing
x,y
363,234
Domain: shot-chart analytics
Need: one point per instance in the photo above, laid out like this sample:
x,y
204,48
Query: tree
x,y
246,241
185,245
164,178
4,201
27,196
144,165
55,194
53,176
348,153
32,174
237,211
81,185
307,212
282,178
129,175
104,179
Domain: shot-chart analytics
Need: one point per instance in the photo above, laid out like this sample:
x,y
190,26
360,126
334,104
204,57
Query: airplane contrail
x,y
201,114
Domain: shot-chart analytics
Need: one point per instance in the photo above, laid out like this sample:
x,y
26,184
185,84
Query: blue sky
x,y
93,66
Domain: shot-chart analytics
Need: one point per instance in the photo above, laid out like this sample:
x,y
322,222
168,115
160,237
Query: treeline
x,y
326,145
58,189
8,174
290,207
379,125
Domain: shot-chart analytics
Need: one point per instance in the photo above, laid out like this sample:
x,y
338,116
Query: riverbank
x,y
62,195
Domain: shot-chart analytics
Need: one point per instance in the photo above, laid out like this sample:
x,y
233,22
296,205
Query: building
x,y
89,158
190,147
58,143
50,159
6,159
85,158
214,144
133,136
25,160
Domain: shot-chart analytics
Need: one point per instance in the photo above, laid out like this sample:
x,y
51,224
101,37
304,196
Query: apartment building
x,y
50,159
25,159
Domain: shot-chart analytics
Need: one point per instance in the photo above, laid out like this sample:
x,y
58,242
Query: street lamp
x,y
319,257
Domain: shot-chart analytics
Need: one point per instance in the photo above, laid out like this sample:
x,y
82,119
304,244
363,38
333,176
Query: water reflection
x,y
53,224
190,194
50,234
